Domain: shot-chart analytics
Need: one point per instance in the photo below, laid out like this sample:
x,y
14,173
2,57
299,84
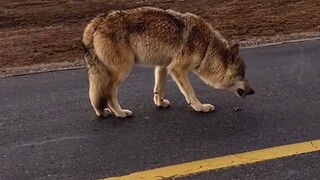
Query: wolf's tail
x,y
99,77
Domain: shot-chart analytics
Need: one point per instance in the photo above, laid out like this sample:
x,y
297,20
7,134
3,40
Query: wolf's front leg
x,y
180,76
160,74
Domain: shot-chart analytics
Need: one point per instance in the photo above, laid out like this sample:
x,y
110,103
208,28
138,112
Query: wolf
x,y
175,43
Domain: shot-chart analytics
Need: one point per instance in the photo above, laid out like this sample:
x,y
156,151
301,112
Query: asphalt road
x,y
48,129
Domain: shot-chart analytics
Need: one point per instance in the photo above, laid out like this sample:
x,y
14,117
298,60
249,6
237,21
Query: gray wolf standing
x,y
173,42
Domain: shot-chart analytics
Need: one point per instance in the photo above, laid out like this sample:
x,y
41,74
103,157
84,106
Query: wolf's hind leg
x,y
112,98
160,74
180,75
118,73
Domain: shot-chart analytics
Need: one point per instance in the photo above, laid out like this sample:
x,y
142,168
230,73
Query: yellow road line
x,y
196,167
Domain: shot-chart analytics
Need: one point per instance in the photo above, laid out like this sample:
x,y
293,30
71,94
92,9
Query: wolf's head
x,y
225,69
235,75
235,79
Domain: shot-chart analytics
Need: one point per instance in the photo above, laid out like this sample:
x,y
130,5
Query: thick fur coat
x,y
173,42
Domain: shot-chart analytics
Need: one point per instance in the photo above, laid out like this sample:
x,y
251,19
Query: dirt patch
x,y
44,31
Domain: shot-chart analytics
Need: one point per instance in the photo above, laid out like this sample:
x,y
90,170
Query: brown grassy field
x,y
49,31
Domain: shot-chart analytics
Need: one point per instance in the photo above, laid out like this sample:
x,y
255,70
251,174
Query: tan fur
x,y
172,42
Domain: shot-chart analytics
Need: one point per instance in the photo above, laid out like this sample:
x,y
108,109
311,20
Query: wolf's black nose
x,y
251,92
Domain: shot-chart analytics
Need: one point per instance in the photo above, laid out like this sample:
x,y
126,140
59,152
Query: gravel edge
x,y
78,64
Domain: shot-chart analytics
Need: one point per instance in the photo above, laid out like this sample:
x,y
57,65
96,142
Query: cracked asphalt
x,y
48,129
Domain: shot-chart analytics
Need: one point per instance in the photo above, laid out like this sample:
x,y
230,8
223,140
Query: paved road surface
x,y
48,129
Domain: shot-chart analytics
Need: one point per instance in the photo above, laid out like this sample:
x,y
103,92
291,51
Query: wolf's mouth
x,y
241,93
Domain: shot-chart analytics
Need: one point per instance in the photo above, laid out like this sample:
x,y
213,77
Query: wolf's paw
x,y
105,113
203,108
163,103
124,113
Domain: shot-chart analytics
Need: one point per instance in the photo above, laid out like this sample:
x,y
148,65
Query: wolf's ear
x,y
234,51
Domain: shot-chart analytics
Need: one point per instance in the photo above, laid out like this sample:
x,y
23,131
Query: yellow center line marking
x,y
196,167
